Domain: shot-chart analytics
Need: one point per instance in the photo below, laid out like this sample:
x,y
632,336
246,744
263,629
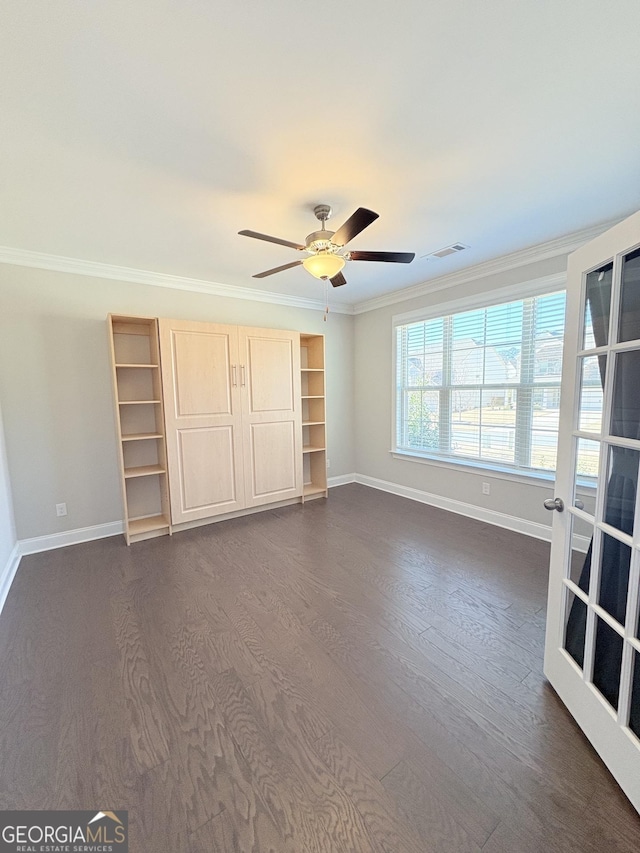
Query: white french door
x,y
592,652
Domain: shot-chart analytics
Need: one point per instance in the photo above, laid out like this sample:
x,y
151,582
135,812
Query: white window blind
x,y
483,384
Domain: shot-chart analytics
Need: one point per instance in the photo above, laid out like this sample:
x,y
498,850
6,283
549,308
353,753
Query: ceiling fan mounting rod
x,y
322,212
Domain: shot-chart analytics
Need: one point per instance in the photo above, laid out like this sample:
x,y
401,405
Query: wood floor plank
x,y
115,777
358,674
29,720
205,763
379,812
148,725
305,803
217,835
426,813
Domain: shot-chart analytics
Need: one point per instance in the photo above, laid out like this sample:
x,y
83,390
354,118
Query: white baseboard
x,y
69,537
489,516
341,480
8,573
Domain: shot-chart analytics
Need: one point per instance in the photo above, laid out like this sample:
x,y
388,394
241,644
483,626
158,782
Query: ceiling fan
x,y
325,249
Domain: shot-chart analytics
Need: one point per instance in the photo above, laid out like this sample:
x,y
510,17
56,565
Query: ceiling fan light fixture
x,y
324,264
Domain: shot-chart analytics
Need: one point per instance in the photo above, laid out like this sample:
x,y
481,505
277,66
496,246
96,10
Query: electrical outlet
x,y
328,463
486,489
61,509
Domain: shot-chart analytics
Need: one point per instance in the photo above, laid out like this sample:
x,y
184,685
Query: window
x,y
483,385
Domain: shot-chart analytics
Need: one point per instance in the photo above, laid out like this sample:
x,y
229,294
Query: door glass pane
x,y
585,500
587,460
629,325
592,372
615,560
597,307
575,626
634,718
625,416
607,662
622,479
579,569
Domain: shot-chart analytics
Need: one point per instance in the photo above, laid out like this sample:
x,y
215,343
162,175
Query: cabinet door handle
x,y
242,376
234,375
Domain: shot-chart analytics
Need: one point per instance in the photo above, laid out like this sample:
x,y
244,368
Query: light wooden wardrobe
x,y
233,417
238,420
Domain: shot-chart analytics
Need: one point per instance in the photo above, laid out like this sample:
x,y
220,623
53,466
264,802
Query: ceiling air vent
x,y
448,250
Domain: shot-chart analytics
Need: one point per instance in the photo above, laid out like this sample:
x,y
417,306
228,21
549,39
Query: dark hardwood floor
x,y
357,675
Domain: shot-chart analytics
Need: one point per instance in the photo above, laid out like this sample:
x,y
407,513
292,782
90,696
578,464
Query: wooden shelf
x,y
137,394
142,436
143,471
136,365
313,489
313,390
145,525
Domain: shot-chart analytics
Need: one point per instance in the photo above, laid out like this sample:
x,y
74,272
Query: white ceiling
x,y
146,134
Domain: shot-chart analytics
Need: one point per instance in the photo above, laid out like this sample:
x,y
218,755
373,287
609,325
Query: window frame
x,y
487,299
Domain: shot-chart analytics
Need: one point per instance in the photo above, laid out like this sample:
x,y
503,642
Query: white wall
x,y
374,383
55,384
7,526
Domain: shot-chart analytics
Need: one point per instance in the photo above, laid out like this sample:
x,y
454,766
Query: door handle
x,y
242,376
234,375
554,503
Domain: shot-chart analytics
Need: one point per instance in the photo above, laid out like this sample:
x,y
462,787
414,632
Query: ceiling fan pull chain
x,y
326,300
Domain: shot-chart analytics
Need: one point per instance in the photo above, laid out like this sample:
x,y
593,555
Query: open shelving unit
x,y
314,426
137,389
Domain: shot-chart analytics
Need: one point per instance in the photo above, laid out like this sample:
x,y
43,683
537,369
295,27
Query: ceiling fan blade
x,y
338,280
388,257
356,223
278,269
269,239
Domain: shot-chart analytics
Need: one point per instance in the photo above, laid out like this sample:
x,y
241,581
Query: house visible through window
x,y
484,384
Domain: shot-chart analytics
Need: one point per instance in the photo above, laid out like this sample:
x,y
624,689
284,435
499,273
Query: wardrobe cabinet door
x,y
201,388
272,421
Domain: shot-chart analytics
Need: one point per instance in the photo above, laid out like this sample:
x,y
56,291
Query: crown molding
x,y
540,252
95,269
